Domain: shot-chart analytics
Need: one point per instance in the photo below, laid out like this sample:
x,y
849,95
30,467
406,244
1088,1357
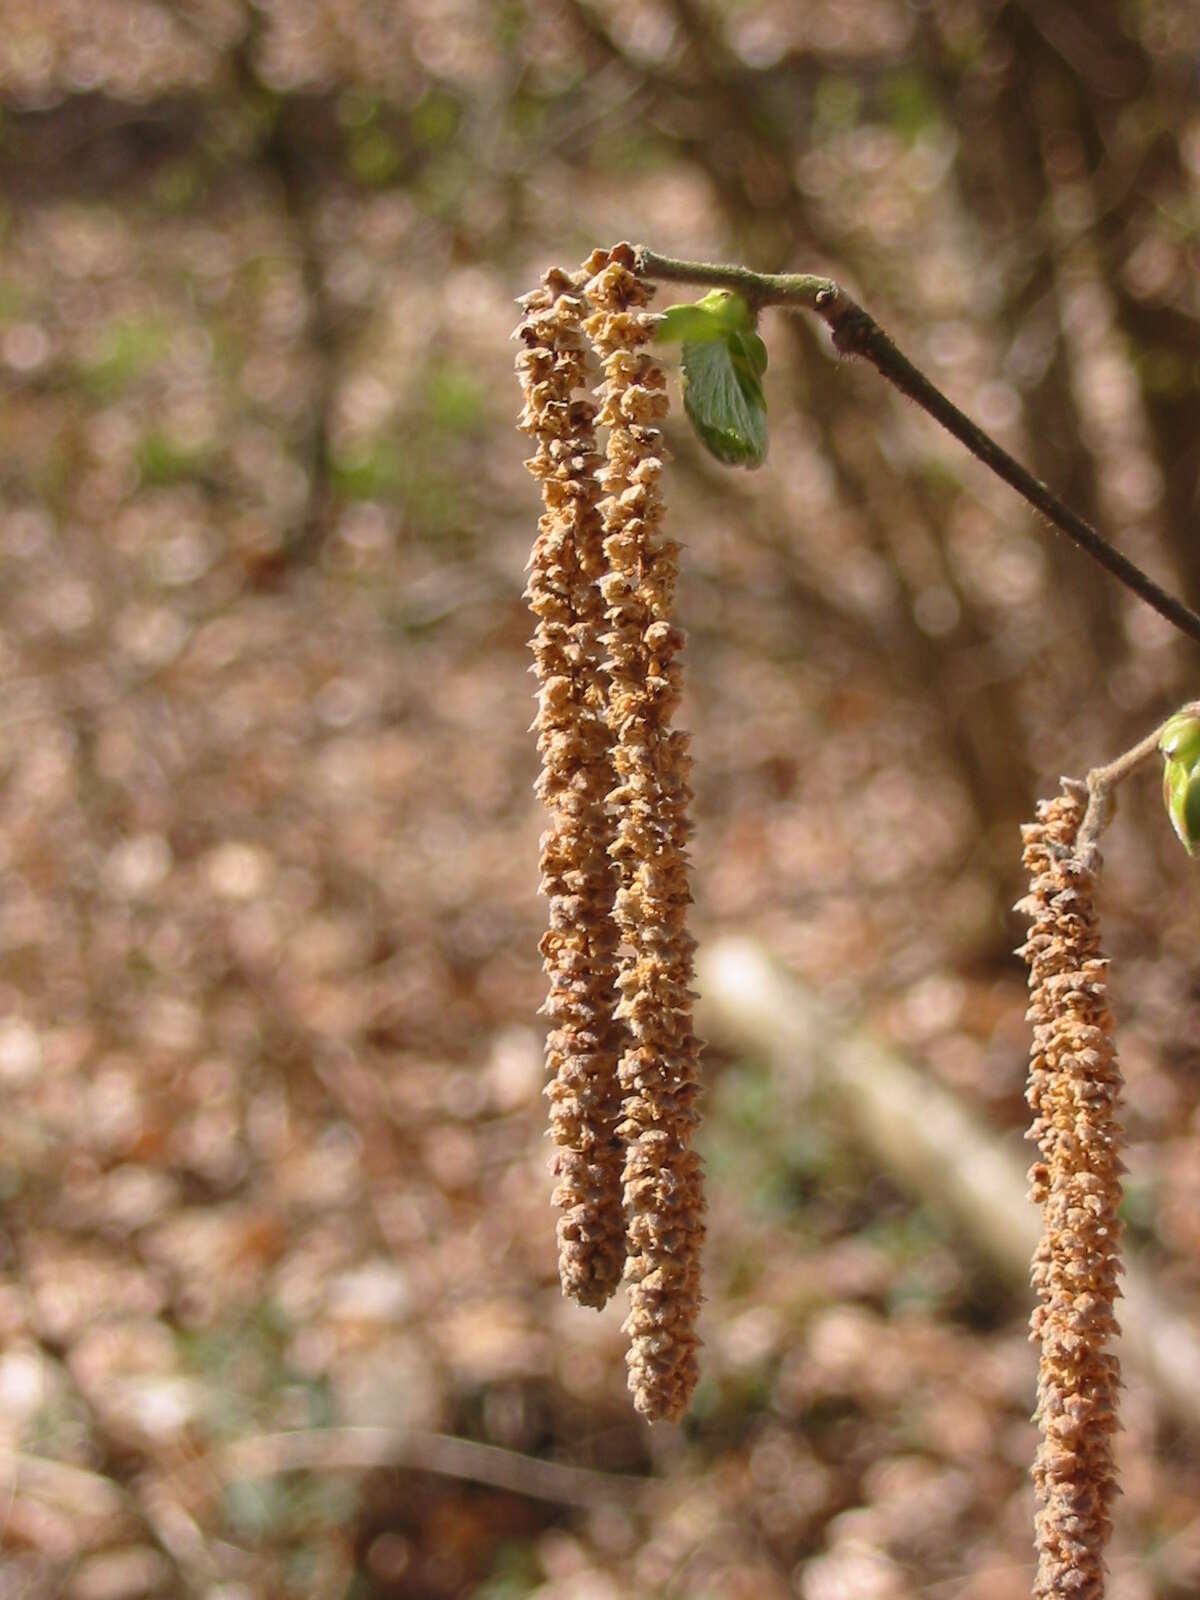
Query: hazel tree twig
x,y
856,333
1101,785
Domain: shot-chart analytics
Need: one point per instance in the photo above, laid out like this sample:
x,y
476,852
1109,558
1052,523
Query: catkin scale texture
x,y
1074,1088
579,946
621,1049
663,1191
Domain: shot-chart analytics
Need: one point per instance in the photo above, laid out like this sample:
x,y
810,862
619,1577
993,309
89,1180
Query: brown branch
x,y
1101,785
856,333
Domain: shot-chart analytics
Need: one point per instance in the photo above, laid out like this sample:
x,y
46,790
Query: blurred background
x,y
277,1272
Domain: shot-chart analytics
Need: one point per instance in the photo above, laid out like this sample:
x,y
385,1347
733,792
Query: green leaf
x,y
750,348
692,322
723,363
717,315
724,400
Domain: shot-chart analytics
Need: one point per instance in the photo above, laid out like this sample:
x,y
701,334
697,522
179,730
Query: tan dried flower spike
x,y
663,1194
1074,1087
579,949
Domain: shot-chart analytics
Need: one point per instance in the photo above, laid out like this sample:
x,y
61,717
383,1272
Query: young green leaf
x,y
723,363
715,316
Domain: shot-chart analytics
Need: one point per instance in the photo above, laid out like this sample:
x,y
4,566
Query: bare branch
x,y
856,333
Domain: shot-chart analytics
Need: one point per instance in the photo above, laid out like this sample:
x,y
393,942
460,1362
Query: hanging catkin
x,y
578,878
1074,1086
663,1194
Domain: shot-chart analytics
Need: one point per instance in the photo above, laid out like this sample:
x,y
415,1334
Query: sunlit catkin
x,y
579,949
663,1194
1074,1086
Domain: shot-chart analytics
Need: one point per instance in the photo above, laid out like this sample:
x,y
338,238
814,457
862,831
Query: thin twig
x,y
1101,785
856,333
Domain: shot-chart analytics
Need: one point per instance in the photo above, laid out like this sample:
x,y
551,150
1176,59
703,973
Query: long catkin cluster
x,y
1074,1088
664,1202
622,1052
579,947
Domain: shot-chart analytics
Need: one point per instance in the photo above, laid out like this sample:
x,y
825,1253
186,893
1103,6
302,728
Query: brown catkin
x,y
579,949
663,1193
1074,1087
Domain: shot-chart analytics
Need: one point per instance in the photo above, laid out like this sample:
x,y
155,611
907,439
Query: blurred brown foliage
x,y
272,1154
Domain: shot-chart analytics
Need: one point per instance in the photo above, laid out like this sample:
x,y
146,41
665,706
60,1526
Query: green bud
x,y
1180,738
1181,794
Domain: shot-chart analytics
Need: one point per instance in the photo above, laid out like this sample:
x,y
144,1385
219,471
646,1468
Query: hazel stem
x,y
856,333
1102,783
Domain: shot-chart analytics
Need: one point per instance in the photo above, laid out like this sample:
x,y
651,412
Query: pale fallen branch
x,y
88,1494
360,1449
928,1142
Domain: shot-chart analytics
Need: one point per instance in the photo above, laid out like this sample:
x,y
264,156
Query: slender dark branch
x,y
856,333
